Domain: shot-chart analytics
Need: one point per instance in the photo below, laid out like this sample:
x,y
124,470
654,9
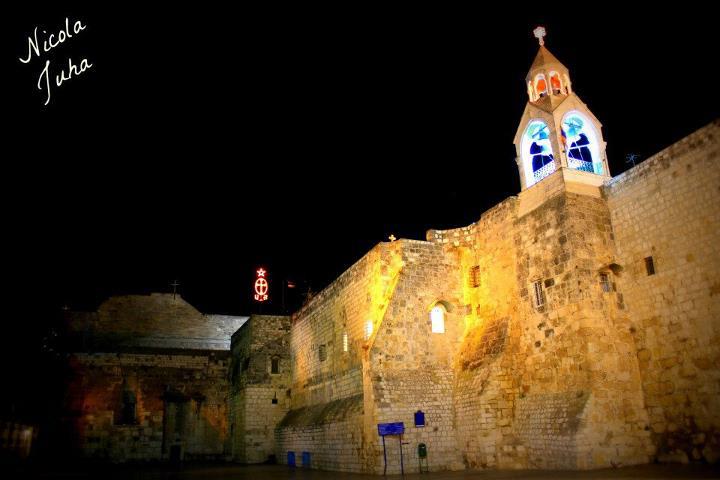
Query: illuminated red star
x,y
261,273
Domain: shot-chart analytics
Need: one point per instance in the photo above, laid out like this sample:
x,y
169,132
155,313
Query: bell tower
x,y
557,130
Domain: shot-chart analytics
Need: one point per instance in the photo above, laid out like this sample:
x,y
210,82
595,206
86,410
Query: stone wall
x,y
180,405
553,385
668,208
325,373
575,352
410,368
393,365
259,397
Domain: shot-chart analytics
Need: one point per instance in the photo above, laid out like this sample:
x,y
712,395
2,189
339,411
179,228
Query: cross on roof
x,y
392,238
540,33
175,284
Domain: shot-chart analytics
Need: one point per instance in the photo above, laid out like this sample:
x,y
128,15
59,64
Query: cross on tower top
x,y
540,33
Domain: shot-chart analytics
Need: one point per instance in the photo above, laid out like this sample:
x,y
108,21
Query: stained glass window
x,y
537,152
581,144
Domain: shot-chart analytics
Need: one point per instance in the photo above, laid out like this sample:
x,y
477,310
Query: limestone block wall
x,y
485,382
332,433
340,317
328,344
668,208
579,402
181,401
259,397
554,385
591,315
410,368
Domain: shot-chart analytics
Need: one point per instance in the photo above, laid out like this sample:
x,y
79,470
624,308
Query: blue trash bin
x,y
291,459
306,459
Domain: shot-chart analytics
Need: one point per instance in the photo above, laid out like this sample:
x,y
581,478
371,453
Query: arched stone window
x,y
555,83
537,154
540,85
437,318
581,143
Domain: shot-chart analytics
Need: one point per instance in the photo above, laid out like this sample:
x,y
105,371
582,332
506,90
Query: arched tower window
x,y
540,85
437,319
537,152
581,144
555,83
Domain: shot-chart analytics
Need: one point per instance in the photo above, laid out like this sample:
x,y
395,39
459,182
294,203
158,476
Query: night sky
x,y
203,143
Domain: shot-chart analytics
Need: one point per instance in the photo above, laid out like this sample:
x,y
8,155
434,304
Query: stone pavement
x,y
279,472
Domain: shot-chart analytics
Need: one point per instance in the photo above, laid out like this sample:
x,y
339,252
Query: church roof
x,y
545,58
157,320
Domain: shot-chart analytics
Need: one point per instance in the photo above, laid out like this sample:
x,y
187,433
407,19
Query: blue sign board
x,y
396,428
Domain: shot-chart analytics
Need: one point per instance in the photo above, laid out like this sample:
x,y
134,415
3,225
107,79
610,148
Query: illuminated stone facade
x,y
581,318
573,326
609,365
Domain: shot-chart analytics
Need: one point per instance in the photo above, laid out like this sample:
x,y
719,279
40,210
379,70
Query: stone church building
x,y
573,326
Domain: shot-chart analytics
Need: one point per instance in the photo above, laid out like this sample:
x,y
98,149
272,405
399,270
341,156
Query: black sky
x,y
204,142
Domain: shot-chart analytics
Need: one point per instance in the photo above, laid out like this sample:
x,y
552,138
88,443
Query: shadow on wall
x,y
483,344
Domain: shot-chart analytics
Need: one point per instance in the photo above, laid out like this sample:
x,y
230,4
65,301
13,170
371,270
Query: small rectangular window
x,y
368,329
474,278
437,319
345,342
538,294
322,352
649,266
605,282
275,365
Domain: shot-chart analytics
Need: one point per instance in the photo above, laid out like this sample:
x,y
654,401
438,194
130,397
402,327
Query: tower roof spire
x,y
548,80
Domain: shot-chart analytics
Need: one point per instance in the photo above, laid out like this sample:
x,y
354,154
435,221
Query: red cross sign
x,y
261,286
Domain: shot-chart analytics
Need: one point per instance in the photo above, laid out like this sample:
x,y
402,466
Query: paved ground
x,y
276,472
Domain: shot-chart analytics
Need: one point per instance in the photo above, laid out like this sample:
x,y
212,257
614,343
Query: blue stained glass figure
x,y
579,149
539,149
580,145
